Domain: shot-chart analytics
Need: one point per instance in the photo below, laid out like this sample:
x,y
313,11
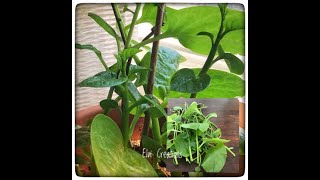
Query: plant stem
x,y
211,55
153,63
120,24
119,20
155,38
156,130
125,115
133,22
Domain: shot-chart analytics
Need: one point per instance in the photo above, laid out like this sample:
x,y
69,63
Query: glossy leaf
x,y
104,25
215,158
234,64
167,65
135,69
111,158
186,81
103,79
108,104
177,25
222,85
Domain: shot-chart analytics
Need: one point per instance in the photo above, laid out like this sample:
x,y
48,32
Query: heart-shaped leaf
x,y
215,158
110,156
223,85
186,81
103,79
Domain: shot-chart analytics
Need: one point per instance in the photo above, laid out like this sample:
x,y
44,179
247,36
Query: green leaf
x,y
142,78
211,115
127,53
167,65
203,127
134,94
108,104
135,69
103,79
215,140
155,104
149,13
192,109
207,34
182,145
92,48
215,158
186,81
162,92
234,21
111,158
222,85
177,25
193,126
104,25
234,64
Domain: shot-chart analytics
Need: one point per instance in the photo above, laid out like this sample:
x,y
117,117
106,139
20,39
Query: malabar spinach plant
x,y
124,77
194,135
110,146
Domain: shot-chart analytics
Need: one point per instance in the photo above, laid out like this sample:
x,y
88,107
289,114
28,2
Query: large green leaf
x,y
110,156
103,79
167,65
222,85
186,81
186,23
103,24
215,158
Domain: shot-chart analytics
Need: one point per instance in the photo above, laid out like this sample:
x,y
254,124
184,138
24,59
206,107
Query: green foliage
x,y
194,135
111,157
222,85
186,81
103,79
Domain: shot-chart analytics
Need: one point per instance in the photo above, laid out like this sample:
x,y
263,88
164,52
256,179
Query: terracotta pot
x,y
83,116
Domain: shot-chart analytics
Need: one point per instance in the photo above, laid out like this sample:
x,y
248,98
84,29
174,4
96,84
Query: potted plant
x,y
110,151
